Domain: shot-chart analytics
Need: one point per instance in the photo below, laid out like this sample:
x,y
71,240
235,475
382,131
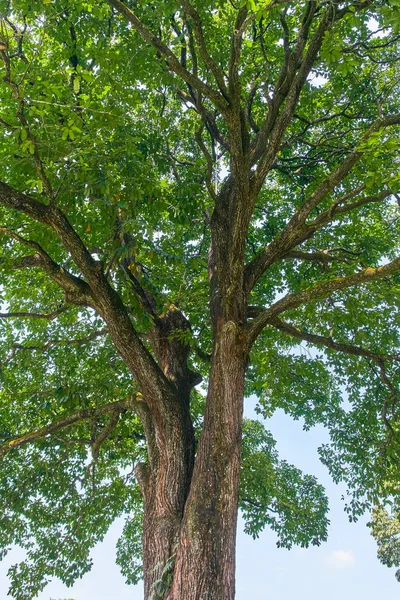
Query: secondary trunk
x,y
165,482
165,479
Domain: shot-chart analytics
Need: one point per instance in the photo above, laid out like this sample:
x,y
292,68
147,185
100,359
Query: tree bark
x,y
165,478
205,558
164,482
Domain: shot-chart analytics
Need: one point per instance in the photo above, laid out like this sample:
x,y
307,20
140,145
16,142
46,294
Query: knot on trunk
x,y
142,472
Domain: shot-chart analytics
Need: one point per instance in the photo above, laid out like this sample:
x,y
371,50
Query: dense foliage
x,y
103,124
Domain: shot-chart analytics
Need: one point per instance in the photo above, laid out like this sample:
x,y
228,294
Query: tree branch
x,y
290,83
51,343
328,342
174,64
31,315
288,88
82,415
319,292
210,163
205,55
52,216
155,387
70,283
342,170
104,433
206,116
297,230
322,256
335,210
234,59
15,88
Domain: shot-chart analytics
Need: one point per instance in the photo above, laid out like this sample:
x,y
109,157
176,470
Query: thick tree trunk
x,y
161,528
195,534
164,410
165,482
205,558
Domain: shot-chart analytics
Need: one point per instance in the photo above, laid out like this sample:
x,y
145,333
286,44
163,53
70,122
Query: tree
x,y
193,191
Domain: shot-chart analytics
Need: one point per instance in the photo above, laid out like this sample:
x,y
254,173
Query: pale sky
x,y
344,568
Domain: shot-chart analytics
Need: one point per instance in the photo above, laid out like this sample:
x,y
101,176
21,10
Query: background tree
x,y
190,191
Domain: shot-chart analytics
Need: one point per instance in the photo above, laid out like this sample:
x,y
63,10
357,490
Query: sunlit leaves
x,y
279,495
385,527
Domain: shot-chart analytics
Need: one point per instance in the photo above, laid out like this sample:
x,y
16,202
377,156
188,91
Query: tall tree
x,y
193,192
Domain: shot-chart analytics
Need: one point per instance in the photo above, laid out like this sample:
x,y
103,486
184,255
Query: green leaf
x,y
77,84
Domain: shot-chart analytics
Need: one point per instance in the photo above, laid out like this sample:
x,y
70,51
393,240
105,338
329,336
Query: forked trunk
x,y
201,546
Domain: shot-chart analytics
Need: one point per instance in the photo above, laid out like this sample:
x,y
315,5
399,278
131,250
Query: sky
x,y
345,567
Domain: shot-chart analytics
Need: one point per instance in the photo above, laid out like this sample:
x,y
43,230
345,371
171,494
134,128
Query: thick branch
x,y
297,230
319,292
288,88
234,59
340,173
155,387
17,201
55,218
336,210
392,399
82,415
67,281
328,342
290,84
205,55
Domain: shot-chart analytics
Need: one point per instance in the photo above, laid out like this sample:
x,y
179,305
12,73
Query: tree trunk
x,y
164,482
161,527
190,540
205,558
164,410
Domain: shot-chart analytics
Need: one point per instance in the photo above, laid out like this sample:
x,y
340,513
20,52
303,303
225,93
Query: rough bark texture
x,y
165,485
166,478
205,561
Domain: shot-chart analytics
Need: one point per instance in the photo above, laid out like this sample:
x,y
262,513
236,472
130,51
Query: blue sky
x,y
345,567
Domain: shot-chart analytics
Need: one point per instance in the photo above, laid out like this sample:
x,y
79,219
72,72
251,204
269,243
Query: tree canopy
x,y
126,129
